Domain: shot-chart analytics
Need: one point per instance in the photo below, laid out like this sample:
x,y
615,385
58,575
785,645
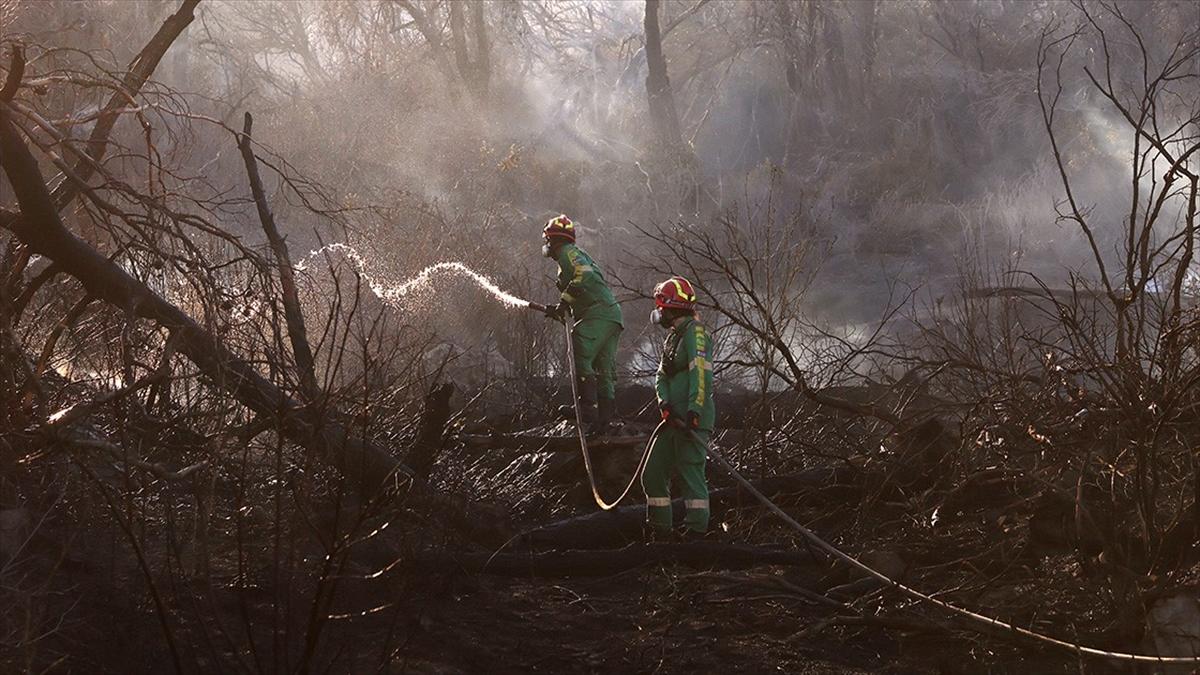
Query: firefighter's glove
x,y
693,420
560,311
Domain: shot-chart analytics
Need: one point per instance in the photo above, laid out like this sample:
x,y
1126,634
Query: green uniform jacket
x,y
685,378
584,288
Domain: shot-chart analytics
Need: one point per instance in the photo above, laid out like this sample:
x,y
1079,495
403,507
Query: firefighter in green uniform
x,y
597,316
684,385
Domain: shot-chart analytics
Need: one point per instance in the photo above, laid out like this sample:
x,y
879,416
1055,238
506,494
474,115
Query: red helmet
x,y
559,226
675,293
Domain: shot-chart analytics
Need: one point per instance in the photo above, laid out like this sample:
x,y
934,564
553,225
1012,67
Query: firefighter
x,y
597,322
683,383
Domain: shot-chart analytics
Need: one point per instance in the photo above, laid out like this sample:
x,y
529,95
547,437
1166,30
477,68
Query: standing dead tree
x,y
475,72
139,72
757,283
293,313
658,84
1147,370
664,116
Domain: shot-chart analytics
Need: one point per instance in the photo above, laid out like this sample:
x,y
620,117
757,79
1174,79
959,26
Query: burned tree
x,y
1143,368
658,84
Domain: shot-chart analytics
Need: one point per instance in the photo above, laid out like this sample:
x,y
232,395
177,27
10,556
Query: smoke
x,y
902,147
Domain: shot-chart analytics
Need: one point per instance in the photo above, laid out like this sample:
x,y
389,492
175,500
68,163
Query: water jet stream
x,y
394,294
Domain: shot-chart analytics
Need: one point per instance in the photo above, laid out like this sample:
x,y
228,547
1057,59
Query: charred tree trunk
x,y
293,315
699,555
458,42
792,56
38,226
433,37
664,118
431,434
663,114
870,45
140,70
483,50
794,74
835,57
530,444
474,73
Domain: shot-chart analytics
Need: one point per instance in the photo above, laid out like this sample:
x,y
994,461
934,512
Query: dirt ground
x,y
651,620
99,616
669,620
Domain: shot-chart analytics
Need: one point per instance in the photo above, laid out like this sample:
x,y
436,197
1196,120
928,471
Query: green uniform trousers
x,y
595,345
676,452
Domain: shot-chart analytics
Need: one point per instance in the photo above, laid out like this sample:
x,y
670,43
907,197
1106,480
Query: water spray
x,y
394,294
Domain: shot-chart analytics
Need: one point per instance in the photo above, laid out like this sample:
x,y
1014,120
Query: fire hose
x,y
583,446
981,619
992,623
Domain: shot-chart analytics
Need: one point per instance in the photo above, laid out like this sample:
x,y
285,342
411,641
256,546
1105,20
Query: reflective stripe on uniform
x,y
577,267
568,297
658,501
696,503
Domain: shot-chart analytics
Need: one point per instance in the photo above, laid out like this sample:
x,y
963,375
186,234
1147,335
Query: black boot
x,y
653,535
587,400
604,415
586,403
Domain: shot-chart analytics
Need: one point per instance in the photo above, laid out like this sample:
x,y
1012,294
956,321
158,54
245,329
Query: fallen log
x,y
532,444
603,529
697,555
39,226
367,467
